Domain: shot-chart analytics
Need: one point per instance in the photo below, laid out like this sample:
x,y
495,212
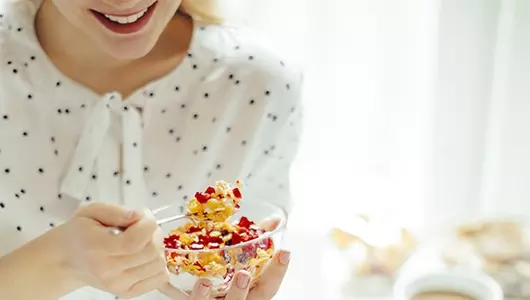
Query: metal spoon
x,y
117,230
66,207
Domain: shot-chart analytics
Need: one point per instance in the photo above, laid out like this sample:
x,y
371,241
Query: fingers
x,y
149,254
144,278
146,285
108,215
172,292
200,291
239,287
140,227
131,241
145,271
137,236
272,278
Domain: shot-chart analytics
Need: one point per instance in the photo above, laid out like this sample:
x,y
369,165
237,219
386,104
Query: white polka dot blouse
x,y
229,111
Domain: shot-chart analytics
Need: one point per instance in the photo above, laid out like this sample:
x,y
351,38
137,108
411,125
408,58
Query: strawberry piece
x,y
237,193
202,198
236,238
245,222
194,229
210,190
205,240
171,241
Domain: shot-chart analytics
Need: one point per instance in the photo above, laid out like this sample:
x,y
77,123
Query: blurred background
x,y
416,120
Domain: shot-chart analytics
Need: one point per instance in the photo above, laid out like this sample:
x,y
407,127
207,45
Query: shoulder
x,y
16,18
241,55
17,35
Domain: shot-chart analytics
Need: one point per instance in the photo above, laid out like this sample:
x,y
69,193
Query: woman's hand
x,y
127,265
268,285
240,289
270,281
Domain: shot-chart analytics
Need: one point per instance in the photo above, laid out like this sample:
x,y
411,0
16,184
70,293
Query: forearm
x,y
35,271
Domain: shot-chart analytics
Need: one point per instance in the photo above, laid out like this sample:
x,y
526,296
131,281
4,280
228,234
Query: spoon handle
x,y
118,230
170,219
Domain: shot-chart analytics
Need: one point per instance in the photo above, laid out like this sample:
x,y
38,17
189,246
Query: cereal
x,y
210,229
216,203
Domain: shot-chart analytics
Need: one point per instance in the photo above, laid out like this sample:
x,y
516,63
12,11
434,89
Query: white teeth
x,y
128,19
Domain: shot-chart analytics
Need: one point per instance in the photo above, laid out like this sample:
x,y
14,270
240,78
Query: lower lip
x,y
126,28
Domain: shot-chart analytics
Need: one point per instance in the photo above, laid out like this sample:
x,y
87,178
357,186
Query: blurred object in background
x,y
500,247
373,249
448,285
416,109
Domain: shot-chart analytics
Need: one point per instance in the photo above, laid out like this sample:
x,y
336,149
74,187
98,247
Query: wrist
x,y
57,266
37,270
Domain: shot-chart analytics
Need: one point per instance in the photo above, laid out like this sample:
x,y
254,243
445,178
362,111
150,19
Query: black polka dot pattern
x,y
227,113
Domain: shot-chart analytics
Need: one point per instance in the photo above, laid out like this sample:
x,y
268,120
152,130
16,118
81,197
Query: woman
x,y
128,104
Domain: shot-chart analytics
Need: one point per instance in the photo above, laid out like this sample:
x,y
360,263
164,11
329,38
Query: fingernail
x,y
284,258
129,214
204,288
242,281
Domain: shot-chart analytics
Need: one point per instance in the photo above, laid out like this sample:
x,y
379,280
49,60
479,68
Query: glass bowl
x,y
219,265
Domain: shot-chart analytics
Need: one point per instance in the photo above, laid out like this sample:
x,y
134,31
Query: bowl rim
x,y
452,280
281,226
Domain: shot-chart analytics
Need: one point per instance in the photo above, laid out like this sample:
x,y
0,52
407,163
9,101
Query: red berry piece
x,y
236,238
194,229
210,190
245,222
237,193
202,198
171,241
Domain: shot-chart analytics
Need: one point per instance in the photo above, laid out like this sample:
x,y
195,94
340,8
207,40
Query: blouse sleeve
x,y
277,142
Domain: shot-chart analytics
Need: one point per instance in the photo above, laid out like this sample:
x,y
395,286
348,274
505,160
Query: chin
x,y
129,53
128,49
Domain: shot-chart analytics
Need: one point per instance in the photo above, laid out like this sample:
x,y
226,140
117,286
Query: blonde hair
x,y
204,10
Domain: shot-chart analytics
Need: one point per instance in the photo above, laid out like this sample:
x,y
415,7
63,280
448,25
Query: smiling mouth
x,y
125,23
126,19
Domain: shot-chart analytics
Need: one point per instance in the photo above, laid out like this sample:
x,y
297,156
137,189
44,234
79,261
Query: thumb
x,y
270,224
109,215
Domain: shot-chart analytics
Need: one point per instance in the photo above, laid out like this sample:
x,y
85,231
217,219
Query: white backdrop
x,y
418,109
